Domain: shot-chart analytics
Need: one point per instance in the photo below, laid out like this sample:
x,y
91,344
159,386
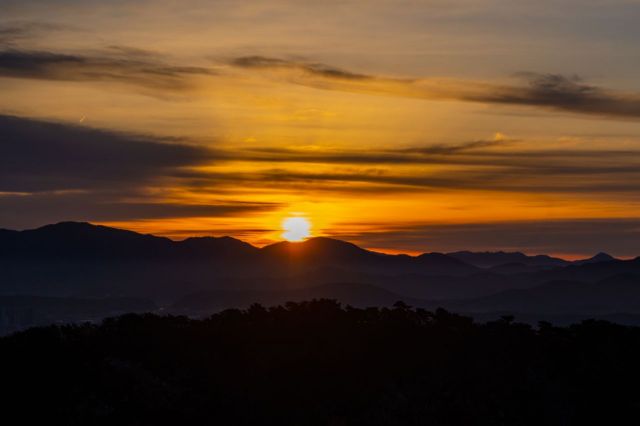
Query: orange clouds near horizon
x,y
437,130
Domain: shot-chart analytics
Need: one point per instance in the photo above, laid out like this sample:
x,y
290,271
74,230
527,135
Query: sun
x,y
296,228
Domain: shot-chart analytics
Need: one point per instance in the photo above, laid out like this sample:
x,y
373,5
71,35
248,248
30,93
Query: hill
x,y
318,363
85,261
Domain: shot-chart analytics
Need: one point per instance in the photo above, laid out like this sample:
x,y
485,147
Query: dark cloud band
x,y
115,65
45,156
91,174
317,69
54,172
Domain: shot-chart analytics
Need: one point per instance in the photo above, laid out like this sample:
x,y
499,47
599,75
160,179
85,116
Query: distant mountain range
x,y
85,261
500,258
83,240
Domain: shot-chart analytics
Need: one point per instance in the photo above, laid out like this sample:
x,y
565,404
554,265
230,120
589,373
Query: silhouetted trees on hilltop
x,y
318,363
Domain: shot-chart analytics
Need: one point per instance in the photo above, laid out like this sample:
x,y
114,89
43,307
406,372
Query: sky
x,y
402,126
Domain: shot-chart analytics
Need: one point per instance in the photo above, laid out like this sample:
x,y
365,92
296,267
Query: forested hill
x,y
317,363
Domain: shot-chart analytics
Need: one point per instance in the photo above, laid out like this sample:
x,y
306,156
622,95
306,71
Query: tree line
x,y
321,363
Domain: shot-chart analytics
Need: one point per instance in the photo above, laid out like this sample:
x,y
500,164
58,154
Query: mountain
x,y
75,241
72,259
321,252
600,257
516,262
591,271
492,259
319,249
615,294
226,247
84,241
515,268
80,241
83,261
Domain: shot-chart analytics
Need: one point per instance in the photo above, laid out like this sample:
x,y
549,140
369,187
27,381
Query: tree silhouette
x,y
319,363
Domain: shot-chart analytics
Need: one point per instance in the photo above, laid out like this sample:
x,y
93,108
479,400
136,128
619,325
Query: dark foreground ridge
x,y
317,363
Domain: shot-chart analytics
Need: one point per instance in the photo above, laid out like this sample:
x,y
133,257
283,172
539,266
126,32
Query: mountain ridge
x,y
85,261
483,259
79,259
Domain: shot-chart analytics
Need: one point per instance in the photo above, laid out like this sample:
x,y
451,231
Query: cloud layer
x,y
116,64
53,171
563,237
46,156
383,121
154,72
552,91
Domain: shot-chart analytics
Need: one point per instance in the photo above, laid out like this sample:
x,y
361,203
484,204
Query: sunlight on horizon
x,y
296,229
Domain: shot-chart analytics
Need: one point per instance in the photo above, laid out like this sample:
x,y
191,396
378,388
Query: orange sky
x,y
403,126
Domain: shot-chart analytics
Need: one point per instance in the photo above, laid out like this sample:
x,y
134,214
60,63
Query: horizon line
x,y
389,252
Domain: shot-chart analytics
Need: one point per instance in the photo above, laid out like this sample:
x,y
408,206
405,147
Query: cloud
x,y
45,156
26,211
475,165
152,72
584,237
426,154
569,94
20,31
316,69
543,180
84,171
116,64
53,172
498,140
550,91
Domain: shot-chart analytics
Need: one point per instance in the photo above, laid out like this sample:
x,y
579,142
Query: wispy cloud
x,y
20,31
27,210
551,91
472,166
116,64
313,68
156,72
622,182
567,93
44,156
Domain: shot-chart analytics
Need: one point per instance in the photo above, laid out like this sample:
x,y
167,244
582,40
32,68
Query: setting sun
x,y
296,228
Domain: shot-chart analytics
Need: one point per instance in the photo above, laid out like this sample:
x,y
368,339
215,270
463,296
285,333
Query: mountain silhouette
x,y
615,294
79,261
80,240
72,259
321,251
600,257
491,259
318,251
216,248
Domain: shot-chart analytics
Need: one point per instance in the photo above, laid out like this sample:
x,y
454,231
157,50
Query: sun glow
x,y
296,228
